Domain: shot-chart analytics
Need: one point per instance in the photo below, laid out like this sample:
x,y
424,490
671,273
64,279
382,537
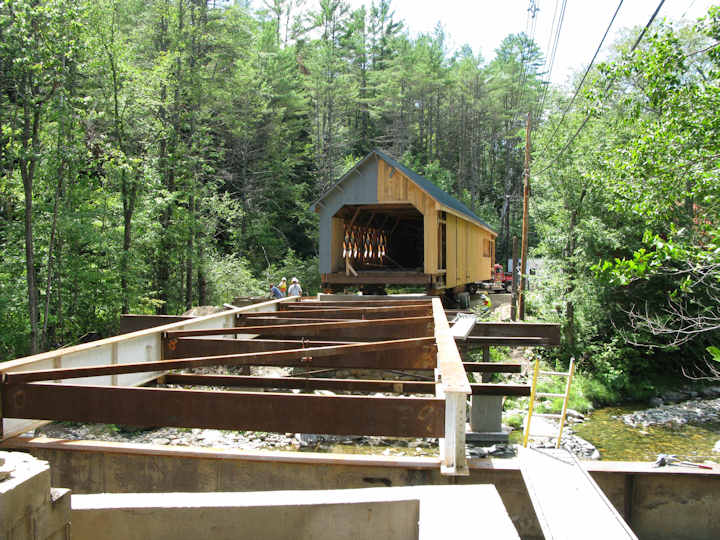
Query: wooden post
x,y
453,386
514,305
526,196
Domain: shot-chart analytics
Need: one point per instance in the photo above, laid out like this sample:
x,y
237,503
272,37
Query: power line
x,y
692,3
610,82
552,51
587,70
660,5
531,24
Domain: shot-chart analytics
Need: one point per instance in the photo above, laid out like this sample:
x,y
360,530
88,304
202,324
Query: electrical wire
x,y
552,49
610,83
587,71
530,25
692,3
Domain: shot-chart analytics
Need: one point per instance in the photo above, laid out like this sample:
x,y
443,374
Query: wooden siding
x,y
395,187
466,241
466,260
337,231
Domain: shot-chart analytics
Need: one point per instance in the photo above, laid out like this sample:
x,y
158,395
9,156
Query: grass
x,y
585,392
515,421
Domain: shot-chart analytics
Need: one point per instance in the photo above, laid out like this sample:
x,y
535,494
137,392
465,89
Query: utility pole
x,y
524,247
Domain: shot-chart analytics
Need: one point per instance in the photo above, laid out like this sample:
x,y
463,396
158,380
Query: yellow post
x,y
565,401
526,436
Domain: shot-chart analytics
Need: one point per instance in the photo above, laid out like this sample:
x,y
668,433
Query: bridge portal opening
x,y
378,238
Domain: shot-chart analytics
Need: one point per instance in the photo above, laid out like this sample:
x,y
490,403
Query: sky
x,y
483,24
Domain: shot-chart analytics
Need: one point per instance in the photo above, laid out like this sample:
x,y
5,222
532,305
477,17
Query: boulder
x,y
656,402
672,396
710,392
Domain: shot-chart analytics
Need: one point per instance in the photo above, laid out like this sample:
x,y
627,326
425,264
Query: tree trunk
x,y
30,145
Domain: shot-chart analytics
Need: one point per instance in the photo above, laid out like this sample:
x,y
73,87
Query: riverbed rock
x,y
161,441
308,439
716,448
674,396
572,413
656,401
697,411
477,451
710,392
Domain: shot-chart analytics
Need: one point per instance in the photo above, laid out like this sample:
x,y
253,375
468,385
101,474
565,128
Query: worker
x,y
283,286
295,289
275,292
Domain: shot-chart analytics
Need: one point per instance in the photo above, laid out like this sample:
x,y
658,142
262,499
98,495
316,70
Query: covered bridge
x,y
383,224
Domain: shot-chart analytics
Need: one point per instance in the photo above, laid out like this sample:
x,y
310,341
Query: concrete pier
x,y
29,507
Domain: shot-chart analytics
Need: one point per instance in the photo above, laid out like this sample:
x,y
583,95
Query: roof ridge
x,y
435,191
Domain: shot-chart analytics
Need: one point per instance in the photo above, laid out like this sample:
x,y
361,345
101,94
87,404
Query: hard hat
x,y
294,280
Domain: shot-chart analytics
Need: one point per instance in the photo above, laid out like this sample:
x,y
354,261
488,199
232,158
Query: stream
x,y
618,441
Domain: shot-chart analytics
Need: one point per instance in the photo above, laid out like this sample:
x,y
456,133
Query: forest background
x,y
161,154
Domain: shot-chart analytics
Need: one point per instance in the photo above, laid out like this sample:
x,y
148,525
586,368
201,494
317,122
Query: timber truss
x,y
406,337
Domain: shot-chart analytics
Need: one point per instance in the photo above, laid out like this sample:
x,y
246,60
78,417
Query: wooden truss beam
x,y
264,411
304,383
378,278
333,356
454,388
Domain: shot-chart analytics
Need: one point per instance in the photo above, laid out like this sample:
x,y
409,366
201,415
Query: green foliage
x,y
230,276
625,214
306,270
515,421
177,146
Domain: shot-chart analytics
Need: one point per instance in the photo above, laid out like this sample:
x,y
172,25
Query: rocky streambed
x,y
693,411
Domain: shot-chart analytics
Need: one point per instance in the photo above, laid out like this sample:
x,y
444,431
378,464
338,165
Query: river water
x,y
617,441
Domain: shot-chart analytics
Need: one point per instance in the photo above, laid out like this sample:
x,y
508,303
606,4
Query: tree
x,y
38,47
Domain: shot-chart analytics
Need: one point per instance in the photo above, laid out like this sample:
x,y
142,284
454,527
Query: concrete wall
x,y
657,503
229,516
359,188
29,508
424,513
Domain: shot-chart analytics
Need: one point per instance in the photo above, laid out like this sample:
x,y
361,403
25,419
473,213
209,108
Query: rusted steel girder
x,y
549,332
346,313
492,367
309,383
489,389
417,356
264,411
309,304
280,320
492,341
375,330
333,356
193,347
